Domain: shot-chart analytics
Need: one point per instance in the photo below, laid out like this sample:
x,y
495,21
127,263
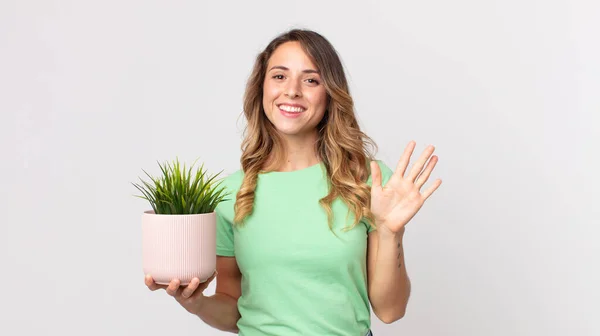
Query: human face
x,y
294,98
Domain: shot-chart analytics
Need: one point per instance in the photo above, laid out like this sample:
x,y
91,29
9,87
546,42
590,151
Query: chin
x,y
288,131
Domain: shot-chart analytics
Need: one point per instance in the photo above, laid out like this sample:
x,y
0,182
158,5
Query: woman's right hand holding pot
x,y
190,296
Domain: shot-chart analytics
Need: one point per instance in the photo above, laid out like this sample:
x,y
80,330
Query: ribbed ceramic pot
x,y
179,246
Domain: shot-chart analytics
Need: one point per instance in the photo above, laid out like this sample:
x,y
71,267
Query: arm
x,y
220,310
393,206
388,282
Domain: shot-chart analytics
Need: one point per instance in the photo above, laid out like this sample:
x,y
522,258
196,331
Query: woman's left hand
x,y
394,205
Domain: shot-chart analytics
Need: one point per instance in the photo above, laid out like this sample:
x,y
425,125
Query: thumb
x,y
375,174
205,284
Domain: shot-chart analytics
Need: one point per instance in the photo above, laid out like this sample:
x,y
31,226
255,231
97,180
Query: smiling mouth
x,y
291,109
291,113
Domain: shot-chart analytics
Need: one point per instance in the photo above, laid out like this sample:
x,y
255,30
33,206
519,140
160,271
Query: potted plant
x,y
179,233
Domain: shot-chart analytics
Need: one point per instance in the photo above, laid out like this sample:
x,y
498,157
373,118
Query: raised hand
x,y
394,205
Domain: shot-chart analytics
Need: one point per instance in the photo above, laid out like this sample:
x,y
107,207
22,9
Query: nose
x,y
293,90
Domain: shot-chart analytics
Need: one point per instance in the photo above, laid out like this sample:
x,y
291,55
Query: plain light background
x,y
92,92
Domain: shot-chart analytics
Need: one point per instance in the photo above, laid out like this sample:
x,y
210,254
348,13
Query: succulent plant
x,y
179,192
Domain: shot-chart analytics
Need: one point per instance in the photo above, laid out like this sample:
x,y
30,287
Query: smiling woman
x,y
313,237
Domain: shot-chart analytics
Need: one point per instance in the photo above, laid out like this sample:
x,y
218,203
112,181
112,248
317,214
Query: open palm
x,y
395,204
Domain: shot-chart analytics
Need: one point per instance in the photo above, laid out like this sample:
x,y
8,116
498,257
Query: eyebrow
x,y
281,67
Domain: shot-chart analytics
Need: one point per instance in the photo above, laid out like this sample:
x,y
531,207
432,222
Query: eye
x,y
278,77
314,81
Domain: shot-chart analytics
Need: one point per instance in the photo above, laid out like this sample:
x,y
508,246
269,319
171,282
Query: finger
x,y
426,173
431,189
205,284
375,175
189,290
151,284
405,158
173,287
418,167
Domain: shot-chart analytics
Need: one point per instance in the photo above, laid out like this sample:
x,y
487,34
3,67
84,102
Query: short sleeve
x,y
224,235
386,173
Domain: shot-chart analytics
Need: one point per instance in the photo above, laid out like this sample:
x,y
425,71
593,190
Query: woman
x,y
313,236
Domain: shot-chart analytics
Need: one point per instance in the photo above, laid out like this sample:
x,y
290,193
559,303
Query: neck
x,y
300,152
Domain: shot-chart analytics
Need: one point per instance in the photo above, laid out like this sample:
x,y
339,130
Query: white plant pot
x,y
179,246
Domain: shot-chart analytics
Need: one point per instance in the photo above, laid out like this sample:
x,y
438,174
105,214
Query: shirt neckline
x,y
307,170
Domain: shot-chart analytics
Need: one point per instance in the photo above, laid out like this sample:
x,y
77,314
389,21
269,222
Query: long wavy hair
x,y
343,148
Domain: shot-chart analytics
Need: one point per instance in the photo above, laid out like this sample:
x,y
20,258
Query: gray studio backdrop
x,y
92,92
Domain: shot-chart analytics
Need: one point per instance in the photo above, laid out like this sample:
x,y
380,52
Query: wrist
x,y
385,233
199,304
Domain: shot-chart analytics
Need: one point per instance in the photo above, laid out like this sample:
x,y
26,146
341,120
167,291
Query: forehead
x,y
291,55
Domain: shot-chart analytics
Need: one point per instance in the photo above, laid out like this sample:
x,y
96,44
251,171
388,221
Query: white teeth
x,y
291,109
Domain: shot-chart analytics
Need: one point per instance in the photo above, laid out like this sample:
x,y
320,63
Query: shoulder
x,y
233,181
231,184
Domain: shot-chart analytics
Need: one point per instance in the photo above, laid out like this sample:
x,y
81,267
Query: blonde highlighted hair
x,y
343,148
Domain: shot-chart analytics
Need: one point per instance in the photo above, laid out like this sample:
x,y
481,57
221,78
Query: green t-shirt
x,y
298,278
